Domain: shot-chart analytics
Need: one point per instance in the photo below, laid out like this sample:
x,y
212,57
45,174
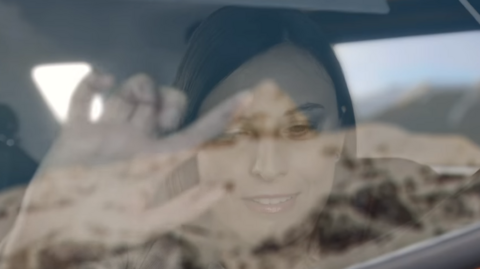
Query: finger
x,y
143,118
116,109
135,102
185,208
182,178
176,181
207,128
81,101
173,151
142,90
173,104
178,148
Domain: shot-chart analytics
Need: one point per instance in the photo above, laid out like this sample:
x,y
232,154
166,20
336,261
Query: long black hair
x,y
233,35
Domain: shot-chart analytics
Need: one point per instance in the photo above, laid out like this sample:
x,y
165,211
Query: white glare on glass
x,y
97,108
57,82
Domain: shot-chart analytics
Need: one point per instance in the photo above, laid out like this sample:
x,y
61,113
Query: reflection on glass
x,y
57,82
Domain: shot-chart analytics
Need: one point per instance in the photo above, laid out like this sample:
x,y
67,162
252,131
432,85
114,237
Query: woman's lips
x,y
271,203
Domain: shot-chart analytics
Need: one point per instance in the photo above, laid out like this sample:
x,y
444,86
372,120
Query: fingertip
x,y
107,81
216,192
173,104
244,100
173,94
99,81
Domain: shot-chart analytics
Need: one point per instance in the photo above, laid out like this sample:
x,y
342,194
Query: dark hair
x,y
233,35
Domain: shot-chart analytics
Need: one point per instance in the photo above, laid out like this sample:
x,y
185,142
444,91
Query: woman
x,y
282,153
272,155
292,150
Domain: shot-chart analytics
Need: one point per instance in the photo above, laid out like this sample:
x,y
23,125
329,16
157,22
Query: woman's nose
x,y
268,163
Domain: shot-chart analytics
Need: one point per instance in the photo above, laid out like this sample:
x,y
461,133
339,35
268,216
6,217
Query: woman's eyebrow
x,y
315,113
307,108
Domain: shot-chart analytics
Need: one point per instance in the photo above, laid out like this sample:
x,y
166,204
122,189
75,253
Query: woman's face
x,y
280,152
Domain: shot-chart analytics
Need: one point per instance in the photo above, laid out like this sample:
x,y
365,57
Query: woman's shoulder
x,y
400,191
386,204
405,176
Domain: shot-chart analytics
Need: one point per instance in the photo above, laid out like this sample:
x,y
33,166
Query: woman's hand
x,y
97,192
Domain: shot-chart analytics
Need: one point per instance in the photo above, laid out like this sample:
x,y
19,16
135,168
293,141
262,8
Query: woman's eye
x,y
299,131
234,134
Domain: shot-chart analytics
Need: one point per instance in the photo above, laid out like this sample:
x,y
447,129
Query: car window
x,y
417,99
421,85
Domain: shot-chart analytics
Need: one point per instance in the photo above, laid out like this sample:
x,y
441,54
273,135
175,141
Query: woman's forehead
x,y
297,73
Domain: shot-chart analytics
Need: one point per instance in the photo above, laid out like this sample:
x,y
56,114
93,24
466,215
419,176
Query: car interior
x,y
125,37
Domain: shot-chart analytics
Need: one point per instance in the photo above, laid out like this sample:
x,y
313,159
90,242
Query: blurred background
x,y
425,84
412,67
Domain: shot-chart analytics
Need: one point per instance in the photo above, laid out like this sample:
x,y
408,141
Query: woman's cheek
x,y
316,168
210,165
220,163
